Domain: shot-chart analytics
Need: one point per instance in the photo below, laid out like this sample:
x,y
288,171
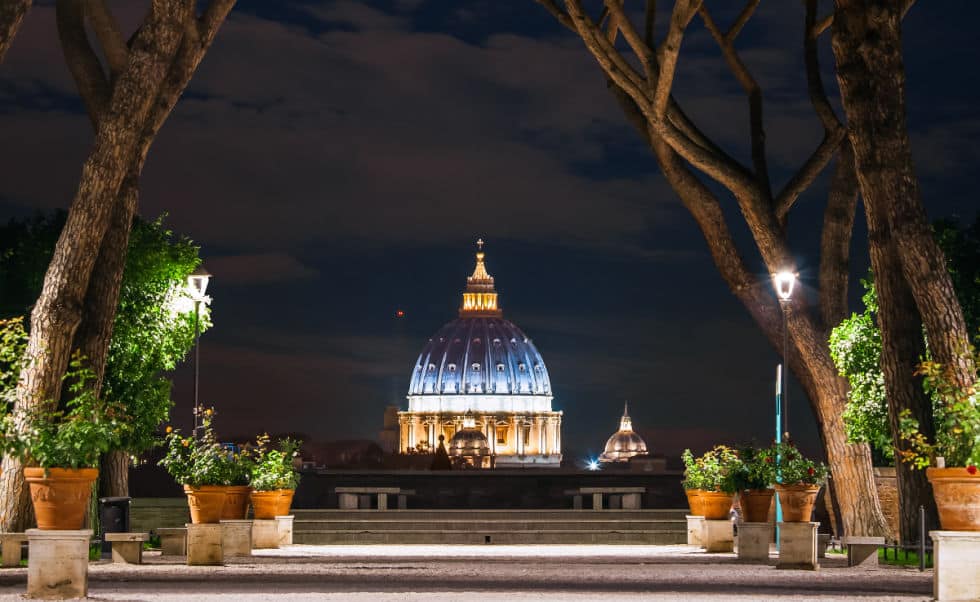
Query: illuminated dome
x,y
480,354
481,383
624,443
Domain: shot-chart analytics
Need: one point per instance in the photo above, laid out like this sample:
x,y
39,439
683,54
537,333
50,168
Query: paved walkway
x,y
488,573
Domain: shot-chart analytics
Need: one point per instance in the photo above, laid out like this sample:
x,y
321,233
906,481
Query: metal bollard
x,y
922,538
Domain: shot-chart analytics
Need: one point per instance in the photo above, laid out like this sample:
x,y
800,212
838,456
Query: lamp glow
x,y
784,282
197,283
593,465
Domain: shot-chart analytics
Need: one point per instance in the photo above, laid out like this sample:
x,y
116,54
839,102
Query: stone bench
x,y
862,550
173,541
12,546
354,498
625,498
127,548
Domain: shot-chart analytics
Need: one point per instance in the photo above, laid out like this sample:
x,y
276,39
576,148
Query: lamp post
x,y
197,284
784,283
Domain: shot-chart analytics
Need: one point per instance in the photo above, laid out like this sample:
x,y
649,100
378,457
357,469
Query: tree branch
x,y
609,59
650,23
833,129
110,37
684,11
11,16
823,24
189,55
754,94
741,20
678,119
835,240
648,58
557,13
81,60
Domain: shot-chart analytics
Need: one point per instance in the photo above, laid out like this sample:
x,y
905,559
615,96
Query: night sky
x,y
336,161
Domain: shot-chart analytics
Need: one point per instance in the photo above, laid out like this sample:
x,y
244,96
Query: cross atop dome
x,y
480,297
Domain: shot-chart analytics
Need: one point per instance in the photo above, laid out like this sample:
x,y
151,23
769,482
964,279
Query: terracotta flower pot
x,y
236,502
755,504
206,503
717,505
694,501
797,501
957,494
61,498
285,501
265,504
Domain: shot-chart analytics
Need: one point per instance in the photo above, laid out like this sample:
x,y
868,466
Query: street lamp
x,y
784,282
197,284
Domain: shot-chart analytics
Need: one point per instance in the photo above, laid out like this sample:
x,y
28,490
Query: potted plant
x,y
60,448
290,450
200,465
237,490
268,476
753,478
953,456
692,483
798,482
710,472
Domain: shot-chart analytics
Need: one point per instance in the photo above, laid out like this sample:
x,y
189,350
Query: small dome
x,y
624,443
469,442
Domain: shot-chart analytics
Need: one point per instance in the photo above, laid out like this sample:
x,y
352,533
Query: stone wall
x,y
148,514
489,489
887,486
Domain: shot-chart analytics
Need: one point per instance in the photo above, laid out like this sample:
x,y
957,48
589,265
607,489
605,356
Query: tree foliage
x,y
154,325
855,344
153,329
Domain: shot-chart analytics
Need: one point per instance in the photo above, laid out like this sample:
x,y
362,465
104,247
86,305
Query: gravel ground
x,y
488,573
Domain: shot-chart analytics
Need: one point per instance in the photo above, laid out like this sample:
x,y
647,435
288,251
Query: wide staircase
x,y
318,527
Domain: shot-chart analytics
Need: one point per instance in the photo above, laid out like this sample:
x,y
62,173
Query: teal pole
x,y
779,438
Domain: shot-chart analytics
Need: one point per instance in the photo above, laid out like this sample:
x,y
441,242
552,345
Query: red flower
x,y
971,469
810,471
768,460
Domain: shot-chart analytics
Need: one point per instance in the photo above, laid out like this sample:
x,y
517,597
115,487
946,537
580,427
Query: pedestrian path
x,y
488,573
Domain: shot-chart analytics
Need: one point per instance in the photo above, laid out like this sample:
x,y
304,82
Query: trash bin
x,y
113,518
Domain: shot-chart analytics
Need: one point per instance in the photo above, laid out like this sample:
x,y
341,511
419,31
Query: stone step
x,y
385,524
526,515
649,537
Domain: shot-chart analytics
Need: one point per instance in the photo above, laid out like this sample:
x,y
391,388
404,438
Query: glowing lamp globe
x,y
197,282
784,282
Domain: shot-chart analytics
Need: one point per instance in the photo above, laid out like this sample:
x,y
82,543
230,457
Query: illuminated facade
x,y
483,370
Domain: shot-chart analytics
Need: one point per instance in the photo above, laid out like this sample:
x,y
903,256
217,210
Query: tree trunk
x,y
850,464
58,310
11,16
867,45
95,333
99,312
102,300
114,474
901,349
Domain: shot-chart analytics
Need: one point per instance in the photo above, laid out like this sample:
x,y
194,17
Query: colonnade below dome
x,y
532,438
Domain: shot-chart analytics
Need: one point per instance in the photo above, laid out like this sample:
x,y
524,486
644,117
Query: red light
x,y
400,314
